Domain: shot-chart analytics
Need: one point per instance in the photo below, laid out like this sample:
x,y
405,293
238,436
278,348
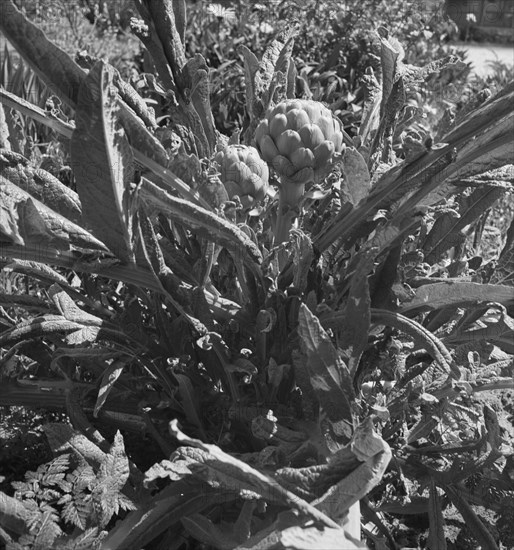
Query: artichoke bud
x,y
243,173
299,138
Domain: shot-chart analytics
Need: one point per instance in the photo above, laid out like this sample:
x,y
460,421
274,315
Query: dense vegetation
x,y
257,279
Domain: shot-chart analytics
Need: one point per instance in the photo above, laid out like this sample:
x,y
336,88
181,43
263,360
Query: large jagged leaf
x,y
391,56
278,50
447,232
53,66
251,66
199,86
372,101
211,464
41,185
286,532
26,221
103,163
328,379
37,270
456,293
47,325
14,516
443,236
312,538
69,309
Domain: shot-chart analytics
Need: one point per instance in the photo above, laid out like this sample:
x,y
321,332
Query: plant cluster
x,y
299,318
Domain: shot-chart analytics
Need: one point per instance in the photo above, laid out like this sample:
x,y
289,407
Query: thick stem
x,y
289,200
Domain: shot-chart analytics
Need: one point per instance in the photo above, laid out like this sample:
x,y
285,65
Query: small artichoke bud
x,y
243,173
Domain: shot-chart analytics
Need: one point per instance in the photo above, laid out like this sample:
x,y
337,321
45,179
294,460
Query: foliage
x,y
68,501
330,63
336,373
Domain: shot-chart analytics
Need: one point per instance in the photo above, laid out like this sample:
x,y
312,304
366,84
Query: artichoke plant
x,y
243,173
298,138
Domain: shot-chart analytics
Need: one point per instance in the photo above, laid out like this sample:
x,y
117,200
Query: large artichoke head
x,y
243,173
298,138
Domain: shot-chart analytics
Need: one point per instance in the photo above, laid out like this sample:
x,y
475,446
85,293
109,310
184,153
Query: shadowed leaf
x,y
103,163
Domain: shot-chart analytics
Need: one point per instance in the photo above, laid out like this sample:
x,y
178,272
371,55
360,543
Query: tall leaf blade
x,y
504,272
456,293
103,163
53,65
436,537
327,376
358,315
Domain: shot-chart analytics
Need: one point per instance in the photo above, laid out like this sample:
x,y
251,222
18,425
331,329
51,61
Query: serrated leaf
x,y
251,66
200,96
372,101
221,469
18,207
174,471
14,516
276,51
9,224
41,185
303,255
326,375
115,466
391,56
37,270
445,233
103,163
109,377
374,454
44,325
356,175
69,309
456,293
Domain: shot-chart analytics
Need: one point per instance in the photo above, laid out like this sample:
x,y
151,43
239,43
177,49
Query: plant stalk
x,y
290,196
